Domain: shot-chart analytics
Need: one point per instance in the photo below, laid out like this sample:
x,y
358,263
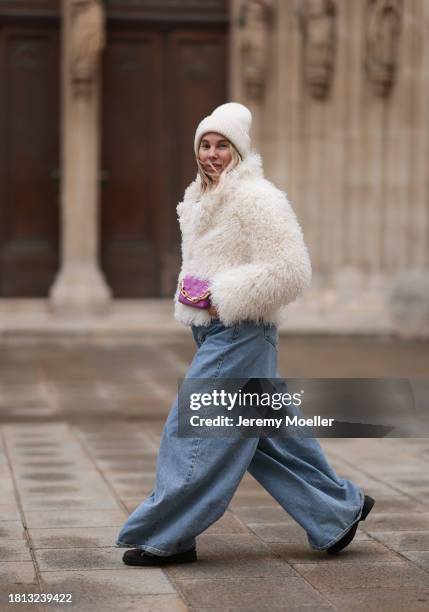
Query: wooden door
x,y
131,179
29,156
158,83
196,85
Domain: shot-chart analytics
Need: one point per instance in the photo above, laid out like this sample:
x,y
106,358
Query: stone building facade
x,y
342,124
339,94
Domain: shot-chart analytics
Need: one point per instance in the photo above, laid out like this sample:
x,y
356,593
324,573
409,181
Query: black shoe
x,y
348,537
135,556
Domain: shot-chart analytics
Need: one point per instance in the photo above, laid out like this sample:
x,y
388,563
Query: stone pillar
x,y
80,286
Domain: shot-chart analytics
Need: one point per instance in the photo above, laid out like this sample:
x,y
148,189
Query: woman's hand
x,y
213,312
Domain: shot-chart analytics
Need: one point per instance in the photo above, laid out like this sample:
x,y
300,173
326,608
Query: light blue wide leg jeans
x,y
197,477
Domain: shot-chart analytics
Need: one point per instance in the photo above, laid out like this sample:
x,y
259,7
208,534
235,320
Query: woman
x,y
241,241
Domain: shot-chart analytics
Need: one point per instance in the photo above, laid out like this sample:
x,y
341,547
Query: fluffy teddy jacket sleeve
x,y
279,267
248,243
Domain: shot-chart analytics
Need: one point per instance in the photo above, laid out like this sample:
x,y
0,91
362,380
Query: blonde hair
x,y
207,183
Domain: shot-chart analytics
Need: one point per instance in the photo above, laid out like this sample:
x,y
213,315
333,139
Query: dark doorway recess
x,y
163,70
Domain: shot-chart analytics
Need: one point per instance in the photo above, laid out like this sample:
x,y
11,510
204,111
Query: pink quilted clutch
x,y
194,292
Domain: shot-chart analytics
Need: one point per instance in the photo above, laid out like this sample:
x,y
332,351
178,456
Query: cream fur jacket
x,y
247,242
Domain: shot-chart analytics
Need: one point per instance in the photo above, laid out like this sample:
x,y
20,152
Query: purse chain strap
x,y
190,297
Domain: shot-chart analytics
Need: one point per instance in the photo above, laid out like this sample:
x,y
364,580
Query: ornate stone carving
x,y
255,19
318,25
87,39
382,37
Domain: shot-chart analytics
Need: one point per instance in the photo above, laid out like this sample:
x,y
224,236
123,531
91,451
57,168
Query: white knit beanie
x,y
233,121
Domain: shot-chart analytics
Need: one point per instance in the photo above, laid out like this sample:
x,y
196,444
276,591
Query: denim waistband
x,y
216,322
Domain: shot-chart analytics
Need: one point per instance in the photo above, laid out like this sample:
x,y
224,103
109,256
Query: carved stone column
x,y
79,286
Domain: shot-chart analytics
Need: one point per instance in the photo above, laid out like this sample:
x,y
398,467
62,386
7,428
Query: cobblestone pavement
x,y
80,428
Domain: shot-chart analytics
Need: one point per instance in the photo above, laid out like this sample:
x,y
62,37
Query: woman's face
x,y
214,154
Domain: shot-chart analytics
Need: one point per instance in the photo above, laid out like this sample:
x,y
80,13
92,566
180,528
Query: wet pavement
x,y
80,427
